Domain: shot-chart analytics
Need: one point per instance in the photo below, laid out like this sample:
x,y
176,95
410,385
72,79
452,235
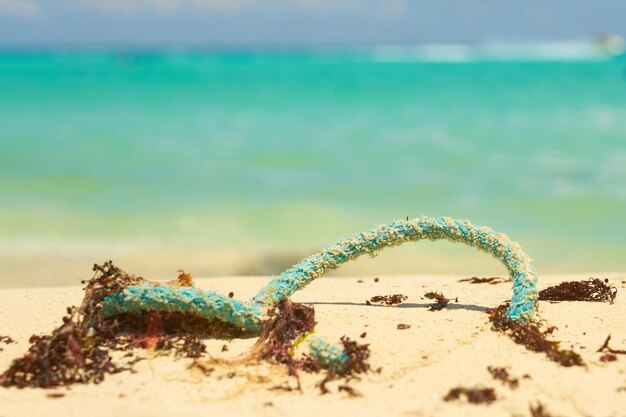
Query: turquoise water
x,y
282,149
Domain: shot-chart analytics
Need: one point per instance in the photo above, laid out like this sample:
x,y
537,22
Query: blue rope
x,y
249,315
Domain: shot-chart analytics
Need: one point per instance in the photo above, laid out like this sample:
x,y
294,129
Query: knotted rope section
x,y
249,315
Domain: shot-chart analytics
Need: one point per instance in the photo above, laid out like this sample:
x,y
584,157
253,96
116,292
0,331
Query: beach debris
x,y
476,395
121,311
287,326
403,326
388,300
609,351
184,279
356,363
593,289
348,389
78,350
202,367
440,301
501,374
477,280
7,340
69,355
538,410
532,337
608,357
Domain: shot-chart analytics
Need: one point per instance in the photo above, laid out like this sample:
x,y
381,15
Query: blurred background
x,y
232,137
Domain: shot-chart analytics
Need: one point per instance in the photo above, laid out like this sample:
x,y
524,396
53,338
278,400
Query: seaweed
x,y
357,363
475,395
77,351
7,340
287,323
608,357
477,280
609,352
389,300
71,354
532,338
606,348
501,374
539,411
593,289
184,279
351,391
440,301
358,355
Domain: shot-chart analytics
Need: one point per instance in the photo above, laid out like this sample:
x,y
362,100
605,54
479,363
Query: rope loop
x,y
249,315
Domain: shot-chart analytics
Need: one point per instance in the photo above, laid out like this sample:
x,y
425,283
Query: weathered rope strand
x,y
249,315
373,240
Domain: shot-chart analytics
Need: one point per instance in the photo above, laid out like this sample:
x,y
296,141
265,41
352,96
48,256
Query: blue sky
x,y
304,21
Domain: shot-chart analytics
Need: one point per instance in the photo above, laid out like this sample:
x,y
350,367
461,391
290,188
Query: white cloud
x,y
34,8
230,6
25,8
163,6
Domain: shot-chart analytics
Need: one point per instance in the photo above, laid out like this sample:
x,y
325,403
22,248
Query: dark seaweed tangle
x,y
76,351
532,337
593,289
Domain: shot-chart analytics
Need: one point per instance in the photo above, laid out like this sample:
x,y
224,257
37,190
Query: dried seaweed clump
x,y
76,351
473,395
609,352
388,300
539,411
440,300
357,363
287,326
287,322
501,374
7,340
532,337
593,289
477,280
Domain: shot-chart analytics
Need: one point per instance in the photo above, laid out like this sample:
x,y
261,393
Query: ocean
x,y
222,159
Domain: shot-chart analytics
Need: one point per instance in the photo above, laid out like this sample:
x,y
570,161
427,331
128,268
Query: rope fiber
x,y
249,315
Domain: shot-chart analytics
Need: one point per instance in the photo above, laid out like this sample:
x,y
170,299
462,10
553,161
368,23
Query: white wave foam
x,y
460,53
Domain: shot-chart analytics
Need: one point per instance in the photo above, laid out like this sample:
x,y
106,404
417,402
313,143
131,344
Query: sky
x,y
295,22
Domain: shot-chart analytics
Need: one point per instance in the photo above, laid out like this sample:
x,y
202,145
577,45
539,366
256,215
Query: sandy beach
x,y
441,350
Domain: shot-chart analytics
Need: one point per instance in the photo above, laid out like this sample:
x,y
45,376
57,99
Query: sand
x,y
441,350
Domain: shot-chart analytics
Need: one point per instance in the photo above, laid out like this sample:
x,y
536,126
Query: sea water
x,y
296,148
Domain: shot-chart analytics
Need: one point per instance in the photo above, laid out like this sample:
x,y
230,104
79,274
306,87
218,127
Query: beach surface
x,y
440,351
